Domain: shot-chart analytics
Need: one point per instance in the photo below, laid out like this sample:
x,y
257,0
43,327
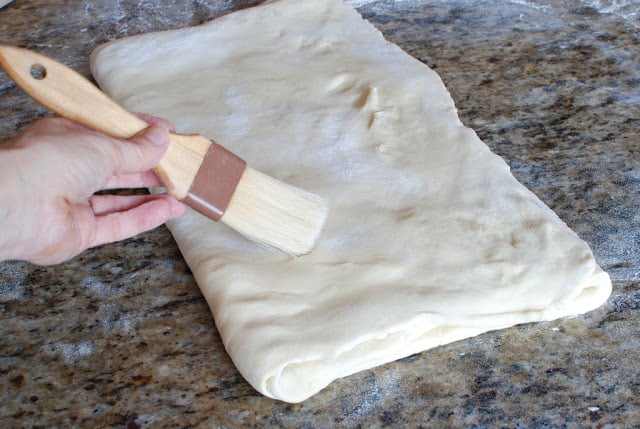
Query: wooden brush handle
x,y
70,95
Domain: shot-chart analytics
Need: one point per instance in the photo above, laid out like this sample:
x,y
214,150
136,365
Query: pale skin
x,y
49,174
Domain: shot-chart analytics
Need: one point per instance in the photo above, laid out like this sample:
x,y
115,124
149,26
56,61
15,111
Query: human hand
x,y
49,174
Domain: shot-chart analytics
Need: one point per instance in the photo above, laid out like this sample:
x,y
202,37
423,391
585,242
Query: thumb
x,y
143,151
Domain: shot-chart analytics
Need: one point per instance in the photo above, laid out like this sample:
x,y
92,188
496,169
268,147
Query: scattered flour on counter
x,y
358,3
72,352
530,5
12,282
96,286
113,317
624,7
629,10
12,291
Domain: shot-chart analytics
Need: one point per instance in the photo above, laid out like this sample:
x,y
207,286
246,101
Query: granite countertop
x,y
121,337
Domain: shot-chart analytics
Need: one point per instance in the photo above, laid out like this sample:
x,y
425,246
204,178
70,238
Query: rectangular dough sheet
x,y
429,240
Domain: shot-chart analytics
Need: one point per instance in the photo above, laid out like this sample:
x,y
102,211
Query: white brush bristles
x,y
274,213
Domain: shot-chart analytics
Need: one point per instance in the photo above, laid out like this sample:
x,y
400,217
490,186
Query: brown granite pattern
x,y
120,336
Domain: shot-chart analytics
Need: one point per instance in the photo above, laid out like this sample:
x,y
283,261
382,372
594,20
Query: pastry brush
x,y
201,173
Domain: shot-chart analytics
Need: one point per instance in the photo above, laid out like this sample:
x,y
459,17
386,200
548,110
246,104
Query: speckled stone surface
x,y
121,337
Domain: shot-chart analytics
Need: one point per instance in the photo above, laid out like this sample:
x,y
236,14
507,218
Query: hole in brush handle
x,y
38,71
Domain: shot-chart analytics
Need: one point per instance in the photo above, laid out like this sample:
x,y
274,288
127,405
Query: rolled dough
x,y
429,240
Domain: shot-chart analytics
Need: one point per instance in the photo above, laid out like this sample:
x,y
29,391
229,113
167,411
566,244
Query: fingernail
x,y
158,134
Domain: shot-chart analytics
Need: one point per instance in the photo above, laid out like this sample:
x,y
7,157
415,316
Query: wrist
x,y
10,203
